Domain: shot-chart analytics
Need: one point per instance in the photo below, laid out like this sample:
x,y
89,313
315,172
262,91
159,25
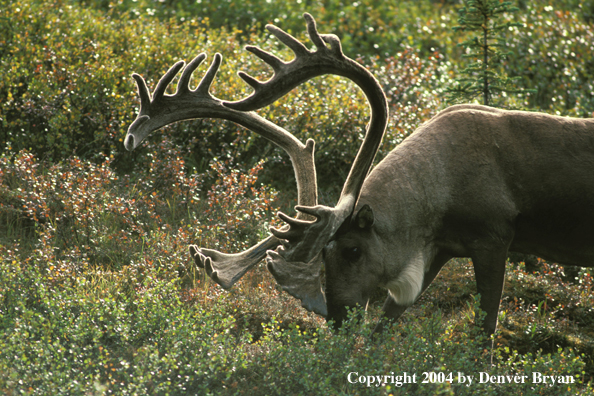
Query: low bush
x,y
65,89
92,238
367,27
78,213
65,85
554,54
76,336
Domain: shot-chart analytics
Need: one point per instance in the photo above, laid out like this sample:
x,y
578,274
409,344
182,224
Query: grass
x,y
93,240
106,312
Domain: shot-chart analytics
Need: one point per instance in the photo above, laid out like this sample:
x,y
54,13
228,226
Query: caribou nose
x,y
129,142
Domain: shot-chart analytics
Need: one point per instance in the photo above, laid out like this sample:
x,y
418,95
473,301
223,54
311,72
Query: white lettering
x,y
551,380
462,379
349,377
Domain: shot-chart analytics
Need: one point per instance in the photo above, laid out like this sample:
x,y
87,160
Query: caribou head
x,y
293,252
472,182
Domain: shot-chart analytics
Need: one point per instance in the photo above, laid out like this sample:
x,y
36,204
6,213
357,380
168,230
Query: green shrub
x,y
366,27
65,86
65,90
90,300
554,54
82,214
62,85
73,337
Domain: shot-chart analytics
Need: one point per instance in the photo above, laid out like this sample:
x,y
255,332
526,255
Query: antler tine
x,y
295,45
276,63
334,42
210,75
312,30
160,109
319,40
183,86
266,56
166,80
288,75
143,92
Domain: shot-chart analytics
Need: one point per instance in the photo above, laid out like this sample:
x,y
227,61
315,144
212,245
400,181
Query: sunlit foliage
x,y
93,239
555,56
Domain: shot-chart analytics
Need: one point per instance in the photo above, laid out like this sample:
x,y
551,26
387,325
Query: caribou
x,y
473,181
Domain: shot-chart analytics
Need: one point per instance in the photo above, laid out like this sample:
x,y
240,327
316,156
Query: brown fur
x,y
472,182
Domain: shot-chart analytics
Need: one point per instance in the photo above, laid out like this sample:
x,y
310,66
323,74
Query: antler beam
x,y
296,262
305,238
160,109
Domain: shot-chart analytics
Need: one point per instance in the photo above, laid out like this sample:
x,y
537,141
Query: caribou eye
x,y
351,254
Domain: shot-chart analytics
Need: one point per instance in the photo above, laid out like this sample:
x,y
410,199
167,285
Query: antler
x,y
296,263
159,109
306,238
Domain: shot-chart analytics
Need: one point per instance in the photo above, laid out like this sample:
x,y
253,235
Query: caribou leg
x,y
489,271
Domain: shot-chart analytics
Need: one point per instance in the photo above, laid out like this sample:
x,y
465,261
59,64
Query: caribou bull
x,y
472,182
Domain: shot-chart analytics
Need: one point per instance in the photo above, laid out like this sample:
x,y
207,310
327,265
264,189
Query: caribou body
x,y
472,182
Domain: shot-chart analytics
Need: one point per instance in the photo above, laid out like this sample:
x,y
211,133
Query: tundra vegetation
x,y
486,49
93,239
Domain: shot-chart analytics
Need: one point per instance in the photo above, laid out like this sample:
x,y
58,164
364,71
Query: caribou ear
x,y
364,218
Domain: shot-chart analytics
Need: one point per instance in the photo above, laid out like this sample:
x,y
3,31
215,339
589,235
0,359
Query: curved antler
x,y
296,263
160,109
306,238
